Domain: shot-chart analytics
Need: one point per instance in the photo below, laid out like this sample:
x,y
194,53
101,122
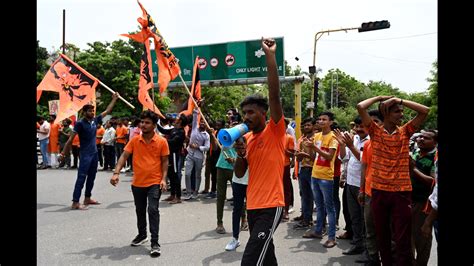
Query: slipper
x,y
330,244
91,202
79,207
311,234
244,227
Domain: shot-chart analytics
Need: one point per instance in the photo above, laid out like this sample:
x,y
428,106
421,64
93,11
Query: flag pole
x,y
120,97
202,115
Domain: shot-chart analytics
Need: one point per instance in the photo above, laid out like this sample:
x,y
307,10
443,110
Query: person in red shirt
x,y
150,168
263,153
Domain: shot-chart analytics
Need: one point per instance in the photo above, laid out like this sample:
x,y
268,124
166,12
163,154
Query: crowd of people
x,y
387,170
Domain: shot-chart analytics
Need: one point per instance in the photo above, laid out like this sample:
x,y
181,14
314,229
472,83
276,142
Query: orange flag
x,y
146,83
76,86
168,68
195,89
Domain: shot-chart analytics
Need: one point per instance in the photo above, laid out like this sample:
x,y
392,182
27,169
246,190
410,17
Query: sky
x,y
401,55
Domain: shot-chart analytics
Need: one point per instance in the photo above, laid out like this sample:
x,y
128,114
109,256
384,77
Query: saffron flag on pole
x,y
146,82
76,86
195,90
168,67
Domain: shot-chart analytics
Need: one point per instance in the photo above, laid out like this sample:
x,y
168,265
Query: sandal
x,y
220,229
91,202
244,227
330,244
79,207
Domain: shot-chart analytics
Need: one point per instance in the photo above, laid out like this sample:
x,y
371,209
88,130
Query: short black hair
x,y
435,133
257,99
329,114
334,126
309,120
357,120
149,114
376,113
184,120
87,107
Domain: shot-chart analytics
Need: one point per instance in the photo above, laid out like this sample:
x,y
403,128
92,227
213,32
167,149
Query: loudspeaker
x,y
228,136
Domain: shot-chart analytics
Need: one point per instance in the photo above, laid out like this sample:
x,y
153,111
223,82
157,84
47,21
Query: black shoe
x,y
298,218
364,258
374,261
155,249
302,225
354,250
139,240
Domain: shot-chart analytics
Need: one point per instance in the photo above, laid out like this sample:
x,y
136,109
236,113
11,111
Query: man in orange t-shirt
x,y
263,154
150,168
99,135
391,184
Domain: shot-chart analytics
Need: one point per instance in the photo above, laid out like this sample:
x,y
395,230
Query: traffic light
x,y
374,25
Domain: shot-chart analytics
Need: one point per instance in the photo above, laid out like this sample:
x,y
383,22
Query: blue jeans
x,y
44,150
151,194
323,198
239,192
304,181
85,174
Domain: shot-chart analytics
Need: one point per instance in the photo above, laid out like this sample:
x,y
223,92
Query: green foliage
x,y
117,65
343,116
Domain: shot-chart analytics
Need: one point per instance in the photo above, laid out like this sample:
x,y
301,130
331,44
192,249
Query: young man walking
x,y
150,168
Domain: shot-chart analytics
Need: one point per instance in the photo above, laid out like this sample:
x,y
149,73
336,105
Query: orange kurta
x,y
53,146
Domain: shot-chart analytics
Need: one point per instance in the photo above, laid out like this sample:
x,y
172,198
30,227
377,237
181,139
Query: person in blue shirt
x,y
86,129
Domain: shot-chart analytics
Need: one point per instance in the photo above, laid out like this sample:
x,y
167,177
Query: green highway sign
x,y
224,61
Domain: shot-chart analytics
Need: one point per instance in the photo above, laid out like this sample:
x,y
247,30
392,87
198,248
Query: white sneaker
x,y
291,210
233,244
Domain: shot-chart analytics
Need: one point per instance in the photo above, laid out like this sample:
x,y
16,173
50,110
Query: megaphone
x,y
228,136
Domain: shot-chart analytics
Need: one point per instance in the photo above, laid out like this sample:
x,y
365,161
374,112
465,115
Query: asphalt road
x,y
102,234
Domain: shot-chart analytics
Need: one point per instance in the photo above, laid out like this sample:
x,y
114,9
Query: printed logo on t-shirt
x,y
321,161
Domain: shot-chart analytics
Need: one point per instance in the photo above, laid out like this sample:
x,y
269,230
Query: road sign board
x,y
221,61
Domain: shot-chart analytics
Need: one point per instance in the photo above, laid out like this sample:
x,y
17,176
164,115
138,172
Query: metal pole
x,y
332,91
318,35
337,90
64,31
335,97
297,84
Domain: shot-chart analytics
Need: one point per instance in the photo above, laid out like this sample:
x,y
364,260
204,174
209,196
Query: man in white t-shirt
x,y
43,138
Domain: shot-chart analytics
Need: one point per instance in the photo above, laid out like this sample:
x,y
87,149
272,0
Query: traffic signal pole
x,y
366,26
312,69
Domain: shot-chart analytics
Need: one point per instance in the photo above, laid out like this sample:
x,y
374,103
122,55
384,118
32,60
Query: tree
x,y
432,120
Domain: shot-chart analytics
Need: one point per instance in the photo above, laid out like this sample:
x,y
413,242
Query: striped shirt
x,y
390,157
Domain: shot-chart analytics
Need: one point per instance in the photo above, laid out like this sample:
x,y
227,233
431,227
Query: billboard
x,y
222,61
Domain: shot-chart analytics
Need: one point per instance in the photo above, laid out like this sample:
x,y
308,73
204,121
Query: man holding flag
x,y
86,129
